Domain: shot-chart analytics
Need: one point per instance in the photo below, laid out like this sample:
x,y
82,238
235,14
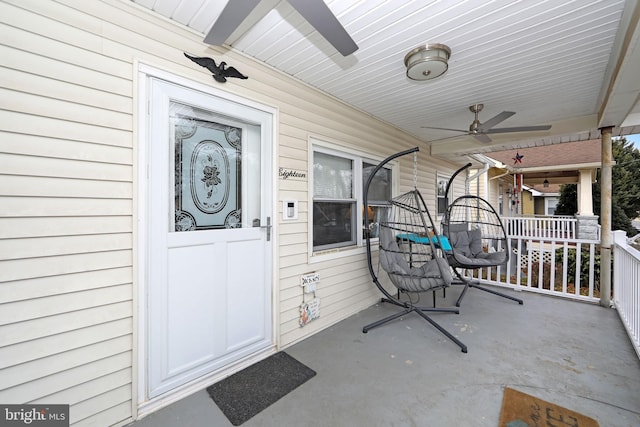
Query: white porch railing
x,y
559,267
626,286
546,257
559,227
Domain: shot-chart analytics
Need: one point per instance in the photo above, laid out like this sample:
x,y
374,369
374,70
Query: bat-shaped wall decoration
x,y
219,72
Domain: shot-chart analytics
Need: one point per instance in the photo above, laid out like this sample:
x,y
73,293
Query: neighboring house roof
x,y
551,189
569,153
555,164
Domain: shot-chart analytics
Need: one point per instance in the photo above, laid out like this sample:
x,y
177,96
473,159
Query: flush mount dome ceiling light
x,y
427,61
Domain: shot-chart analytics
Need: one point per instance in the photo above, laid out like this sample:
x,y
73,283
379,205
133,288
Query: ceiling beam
x,y
622,94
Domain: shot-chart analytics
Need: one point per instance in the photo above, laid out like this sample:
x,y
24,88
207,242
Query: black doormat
x,y
246,393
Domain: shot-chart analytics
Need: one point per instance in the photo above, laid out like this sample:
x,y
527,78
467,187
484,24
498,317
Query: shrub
x,y
584,265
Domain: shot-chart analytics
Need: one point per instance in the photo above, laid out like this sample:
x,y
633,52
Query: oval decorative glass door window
x,y
209,177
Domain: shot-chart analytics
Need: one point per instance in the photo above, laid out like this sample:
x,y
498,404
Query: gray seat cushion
x,y
482,260
467,243
431,275
468,251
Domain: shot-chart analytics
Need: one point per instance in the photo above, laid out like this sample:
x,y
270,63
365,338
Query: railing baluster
x,y
565,266
552,273
578,265
519,264
592,257
540,264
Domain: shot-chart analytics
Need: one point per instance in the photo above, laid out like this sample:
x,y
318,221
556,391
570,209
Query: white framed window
x,y
441,188
380,192
550,205
338,179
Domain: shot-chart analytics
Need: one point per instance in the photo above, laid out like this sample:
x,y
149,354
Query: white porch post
x,y
585,196
605,218
587,225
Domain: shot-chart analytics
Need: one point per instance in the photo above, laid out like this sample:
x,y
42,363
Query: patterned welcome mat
x,y
522,410
246,393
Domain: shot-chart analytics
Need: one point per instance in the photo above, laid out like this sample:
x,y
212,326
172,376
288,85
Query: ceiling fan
x,y
315,12
480,130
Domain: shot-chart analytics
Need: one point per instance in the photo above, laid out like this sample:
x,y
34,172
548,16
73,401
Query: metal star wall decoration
x,y
518,158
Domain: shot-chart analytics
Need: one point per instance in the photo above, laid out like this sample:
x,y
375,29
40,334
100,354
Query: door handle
x,y
268,227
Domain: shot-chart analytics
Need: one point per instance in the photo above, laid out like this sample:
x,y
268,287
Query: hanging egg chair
x,y
477,239
411,253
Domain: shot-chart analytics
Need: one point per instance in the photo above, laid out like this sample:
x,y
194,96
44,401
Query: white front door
x,y
209,263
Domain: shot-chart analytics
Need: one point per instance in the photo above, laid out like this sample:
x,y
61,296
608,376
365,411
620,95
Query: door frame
x,y
142,404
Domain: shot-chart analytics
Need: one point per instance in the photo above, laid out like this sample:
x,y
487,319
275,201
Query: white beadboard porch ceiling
x,y
570,63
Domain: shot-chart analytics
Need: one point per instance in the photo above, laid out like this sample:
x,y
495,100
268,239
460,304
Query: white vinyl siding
x,y
67,196
66,227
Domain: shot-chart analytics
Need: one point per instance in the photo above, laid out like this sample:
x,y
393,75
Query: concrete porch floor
x,y
406,373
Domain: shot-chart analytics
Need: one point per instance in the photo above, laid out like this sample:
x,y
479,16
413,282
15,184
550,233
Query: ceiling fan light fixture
x,y
427,62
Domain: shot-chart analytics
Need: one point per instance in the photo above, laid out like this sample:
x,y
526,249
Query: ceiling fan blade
x,y
231,17
519,129
481,137
495,120
318,14
445,138
454,130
